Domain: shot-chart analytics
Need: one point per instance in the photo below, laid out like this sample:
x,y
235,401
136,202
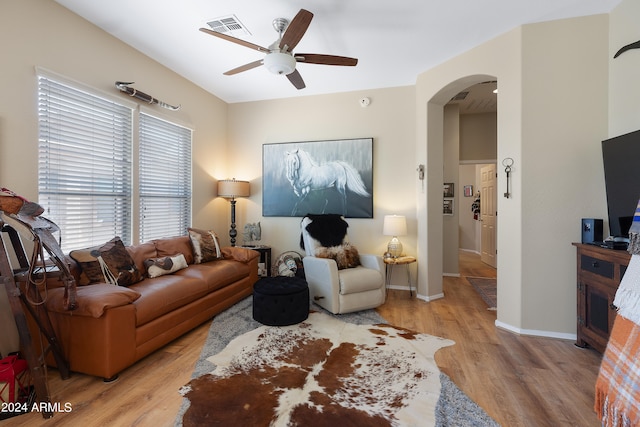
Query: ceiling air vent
x,y
228,25
460,96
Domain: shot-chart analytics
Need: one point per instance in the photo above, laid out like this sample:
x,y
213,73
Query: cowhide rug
x,y
321,372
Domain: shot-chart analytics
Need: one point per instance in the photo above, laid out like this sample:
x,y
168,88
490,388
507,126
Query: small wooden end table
x,y
401,260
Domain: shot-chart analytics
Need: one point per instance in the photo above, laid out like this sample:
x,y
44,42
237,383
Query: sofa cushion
x,y
116,258
217,274
164,294
161,266
206,246
174,245
142,252
92,300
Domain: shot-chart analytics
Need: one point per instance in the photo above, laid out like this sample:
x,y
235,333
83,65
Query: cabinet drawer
x,y
597,266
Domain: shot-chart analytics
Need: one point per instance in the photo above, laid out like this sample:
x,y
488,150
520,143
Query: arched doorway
x,y
470,155
430,202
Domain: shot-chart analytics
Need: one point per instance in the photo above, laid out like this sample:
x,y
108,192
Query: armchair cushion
x,y
359,279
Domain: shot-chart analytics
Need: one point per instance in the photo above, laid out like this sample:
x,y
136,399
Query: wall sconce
x,y
394,225
230,189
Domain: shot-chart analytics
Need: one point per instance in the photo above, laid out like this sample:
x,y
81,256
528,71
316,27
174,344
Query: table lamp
x,y
230,189
394,225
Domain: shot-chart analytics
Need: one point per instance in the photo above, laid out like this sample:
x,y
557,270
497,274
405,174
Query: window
x,y
85,168
165,178
84,164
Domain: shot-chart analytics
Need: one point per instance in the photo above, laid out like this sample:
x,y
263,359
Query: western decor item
x,y
205,244
230,189
454,408
324,370
110,263
162,266
318,177
124,87
252,233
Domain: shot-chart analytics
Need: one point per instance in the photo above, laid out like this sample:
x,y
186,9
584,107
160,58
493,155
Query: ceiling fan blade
x,y
296,79
314,58
296,30
244,67
235,40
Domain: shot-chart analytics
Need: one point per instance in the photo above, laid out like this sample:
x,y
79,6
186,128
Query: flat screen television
x,y
621,157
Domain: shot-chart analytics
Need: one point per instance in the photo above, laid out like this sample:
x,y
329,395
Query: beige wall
x,y
389,120
478,134
42,33
624,85
548,122
542,124
561,160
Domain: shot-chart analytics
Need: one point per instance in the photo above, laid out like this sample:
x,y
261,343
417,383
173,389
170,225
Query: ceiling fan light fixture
x,y
280,63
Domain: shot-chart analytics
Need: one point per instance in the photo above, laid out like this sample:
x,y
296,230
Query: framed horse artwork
x,y
318,177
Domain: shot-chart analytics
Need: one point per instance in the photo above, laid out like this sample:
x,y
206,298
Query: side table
x,y
264,264
402,260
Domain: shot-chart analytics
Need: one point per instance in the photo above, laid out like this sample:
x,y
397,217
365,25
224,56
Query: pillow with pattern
x,y
157,267
206,246
115,258
345,255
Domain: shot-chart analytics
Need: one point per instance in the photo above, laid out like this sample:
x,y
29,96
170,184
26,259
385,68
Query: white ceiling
x,y
393,40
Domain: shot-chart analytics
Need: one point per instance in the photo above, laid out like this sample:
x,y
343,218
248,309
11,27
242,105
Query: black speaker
x,y
591,230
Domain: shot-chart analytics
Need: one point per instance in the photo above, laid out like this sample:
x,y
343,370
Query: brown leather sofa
x,y
115,326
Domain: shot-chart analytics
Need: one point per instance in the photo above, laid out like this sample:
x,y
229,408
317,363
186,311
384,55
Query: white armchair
x,y
339,290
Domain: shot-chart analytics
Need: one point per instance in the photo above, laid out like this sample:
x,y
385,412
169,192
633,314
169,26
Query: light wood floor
x,y
519,381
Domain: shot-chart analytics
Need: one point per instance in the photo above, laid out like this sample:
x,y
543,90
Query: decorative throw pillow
x,y
107,263
157,267
345,255
205,245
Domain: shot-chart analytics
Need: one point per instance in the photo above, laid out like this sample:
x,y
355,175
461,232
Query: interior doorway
x,y
476,162
488,216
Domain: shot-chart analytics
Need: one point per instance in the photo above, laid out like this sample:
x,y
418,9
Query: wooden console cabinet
x,y
599,273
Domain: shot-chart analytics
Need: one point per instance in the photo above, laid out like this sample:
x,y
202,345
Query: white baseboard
x,y
534,332
473,251
451,274
429,298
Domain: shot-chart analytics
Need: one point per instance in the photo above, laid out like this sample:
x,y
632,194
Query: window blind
x,y
164,178
84,164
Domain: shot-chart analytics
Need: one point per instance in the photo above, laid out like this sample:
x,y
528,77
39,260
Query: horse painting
x,y
306,175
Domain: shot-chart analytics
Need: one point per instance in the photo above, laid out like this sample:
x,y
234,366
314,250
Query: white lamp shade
x,y
279,63
394,225
230,188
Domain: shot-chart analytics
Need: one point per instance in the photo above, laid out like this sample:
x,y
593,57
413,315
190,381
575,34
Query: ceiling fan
x,y
279,58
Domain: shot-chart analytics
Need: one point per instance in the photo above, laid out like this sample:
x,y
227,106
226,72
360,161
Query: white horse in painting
x,y
306,175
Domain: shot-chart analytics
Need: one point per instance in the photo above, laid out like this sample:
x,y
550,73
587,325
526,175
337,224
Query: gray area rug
x,y
454,407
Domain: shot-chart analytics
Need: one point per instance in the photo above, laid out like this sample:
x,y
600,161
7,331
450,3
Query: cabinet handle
x,y
595,264
613,307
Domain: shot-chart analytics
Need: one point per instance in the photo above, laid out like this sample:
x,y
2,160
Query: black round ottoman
x,y
280,300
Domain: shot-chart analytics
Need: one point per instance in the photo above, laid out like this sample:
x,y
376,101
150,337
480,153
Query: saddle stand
x,y
23,289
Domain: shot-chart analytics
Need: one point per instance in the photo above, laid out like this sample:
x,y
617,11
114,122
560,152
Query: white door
x,y
488,214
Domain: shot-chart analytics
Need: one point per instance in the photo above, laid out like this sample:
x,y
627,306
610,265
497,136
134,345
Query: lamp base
x,y
394,247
